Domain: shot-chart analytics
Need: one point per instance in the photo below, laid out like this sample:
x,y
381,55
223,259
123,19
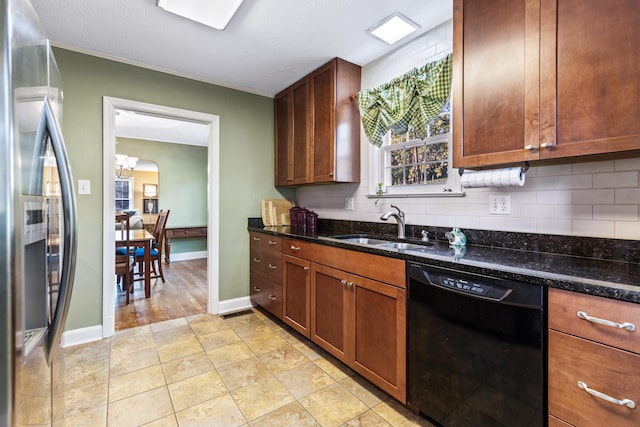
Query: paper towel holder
x,y
524,168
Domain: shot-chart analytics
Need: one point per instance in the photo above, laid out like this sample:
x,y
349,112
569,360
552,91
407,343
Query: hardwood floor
x,y
183,294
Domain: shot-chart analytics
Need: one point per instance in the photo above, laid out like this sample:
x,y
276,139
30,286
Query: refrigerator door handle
x,y
49,126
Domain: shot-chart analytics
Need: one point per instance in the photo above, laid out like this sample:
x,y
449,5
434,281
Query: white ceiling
x,y
130,124
268,44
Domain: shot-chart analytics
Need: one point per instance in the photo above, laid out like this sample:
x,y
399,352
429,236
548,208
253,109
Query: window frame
x,y
385,168
380,175
130,199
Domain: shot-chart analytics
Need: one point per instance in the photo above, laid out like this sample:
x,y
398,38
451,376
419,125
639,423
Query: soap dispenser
x,y
456,237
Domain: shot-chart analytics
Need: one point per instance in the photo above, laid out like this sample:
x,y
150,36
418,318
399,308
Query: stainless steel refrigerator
x,y
37,224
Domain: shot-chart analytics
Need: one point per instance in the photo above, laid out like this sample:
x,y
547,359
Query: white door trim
x,y
109,105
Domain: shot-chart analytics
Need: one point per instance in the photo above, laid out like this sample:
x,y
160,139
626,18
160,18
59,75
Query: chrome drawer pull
x,y
305,268
530,147
271,242
626,325
272,297
624,402
257,289
295,248
273,267
257,260
546,145
256,238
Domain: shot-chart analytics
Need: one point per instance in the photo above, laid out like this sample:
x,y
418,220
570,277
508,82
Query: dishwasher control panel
x,y
478,286
467,285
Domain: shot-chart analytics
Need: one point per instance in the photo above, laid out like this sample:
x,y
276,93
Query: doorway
x,y
110,105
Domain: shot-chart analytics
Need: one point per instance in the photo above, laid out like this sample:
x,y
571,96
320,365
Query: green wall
x,y
246,163
182,184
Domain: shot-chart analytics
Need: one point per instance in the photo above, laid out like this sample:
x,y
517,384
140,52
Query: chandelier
x,y
125,165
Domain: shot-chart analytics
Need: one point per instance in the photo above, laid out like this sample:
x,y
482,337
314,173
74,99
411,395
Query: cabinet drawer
x,y
602,368
267,263
187,232
377,267
266,293
563,316
298,248
266,241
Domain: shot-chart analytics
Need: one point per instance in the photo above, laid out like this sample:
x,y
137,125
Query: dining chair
x,y
156,248
125,261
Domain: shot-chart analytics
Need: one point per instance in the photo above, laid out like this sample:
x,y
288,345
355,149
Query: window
x,y
410,165
124,194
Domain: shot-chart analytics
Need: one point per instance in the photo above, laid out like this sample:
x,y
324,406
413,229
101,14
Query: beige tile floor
x,y
205,370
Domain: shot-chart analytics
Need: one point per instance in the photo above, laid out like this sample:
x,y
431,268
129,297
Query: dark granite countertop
x,y
608,278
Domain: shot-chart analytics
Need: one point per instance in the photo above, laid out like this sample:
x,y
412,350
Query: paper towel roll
x,y
507,177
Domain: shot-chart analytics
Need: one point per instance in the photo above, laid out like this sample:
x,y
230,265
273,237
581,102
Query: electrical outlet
x,y
349,203
500,204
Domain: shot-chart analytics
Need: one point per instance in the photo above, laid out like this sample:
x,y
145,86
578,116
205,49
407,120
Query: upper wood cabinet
x,y
317,127
544,79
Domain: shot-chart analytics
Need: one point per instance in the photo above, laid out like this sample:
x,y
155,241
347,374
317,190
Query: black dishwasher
x,y
476,349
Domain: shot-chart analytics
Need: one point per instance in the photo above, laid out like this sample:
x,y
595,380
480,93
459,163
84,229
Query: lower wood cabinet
x,y
266,272
332,311
296,294
594,365
362,322
380,335
352,304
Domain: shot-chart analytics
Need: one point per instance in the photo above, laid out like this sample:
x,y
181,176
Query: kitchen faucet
x,y
399,219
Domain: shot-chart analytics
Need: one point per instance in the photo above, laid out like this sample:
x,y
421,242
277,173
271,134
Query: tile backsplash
x,y
588,198
592,199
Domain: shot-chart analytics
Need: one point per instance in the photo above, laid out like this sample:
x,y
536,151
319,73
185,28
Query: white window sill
x,y
411,196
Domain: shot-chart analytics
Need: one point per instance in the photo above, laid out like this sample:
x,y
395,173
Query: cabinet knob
x,y
257,260
257,289
530,147
330,173
546,145
349,284
272,297
256,238
344,282
306,268
271,242
273,267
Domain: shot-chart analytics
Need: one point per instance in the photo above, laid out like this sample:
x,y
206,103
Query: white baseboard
x,y
232,305
185,256
94,333
81,336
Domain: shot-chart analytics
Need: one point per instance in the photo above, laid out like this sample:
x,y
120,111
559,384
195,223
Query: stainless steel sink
x,y
361,240
401,246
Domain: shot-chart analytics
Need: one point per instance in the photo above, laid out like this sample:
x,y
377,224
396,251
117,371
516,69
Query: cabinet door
x,y
496,80
296,292
590,63
380,343
323,95
330,304
292,134
300,150
283,135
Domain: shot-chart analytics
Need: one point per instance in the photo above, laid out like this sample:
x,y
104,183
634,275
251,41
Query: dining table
x,y
142,239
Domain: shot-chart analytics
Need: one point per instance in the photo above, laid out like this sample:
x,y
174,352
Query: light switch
x,y
84,187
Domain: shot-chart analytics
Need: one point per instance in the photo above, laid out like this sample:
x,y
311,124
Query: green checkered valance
x,y
415,99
